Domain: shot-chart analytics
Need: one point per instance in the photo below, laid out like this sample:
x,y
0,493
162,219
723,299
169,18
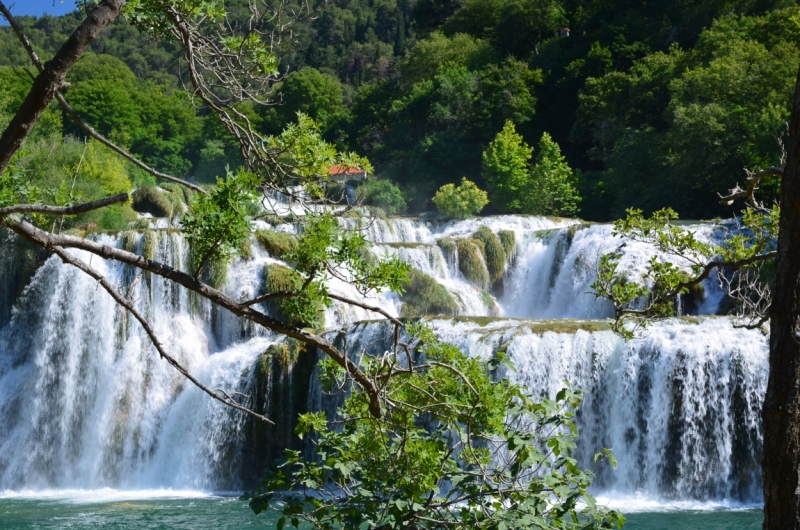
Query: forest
x,y
652,104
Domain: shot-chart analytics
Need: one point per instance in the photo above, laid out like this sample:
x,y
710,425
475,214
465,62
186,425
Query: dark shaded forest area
x,y
653,104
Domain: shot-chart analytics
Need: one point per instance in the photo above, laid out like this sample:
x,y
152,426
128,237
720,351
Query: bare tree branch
x,y
267,297
64,210
362,305
751,183
127,304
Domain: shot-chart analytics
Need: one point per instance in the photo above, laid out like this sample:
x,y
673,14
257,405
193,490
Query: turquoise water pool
x,y
108,509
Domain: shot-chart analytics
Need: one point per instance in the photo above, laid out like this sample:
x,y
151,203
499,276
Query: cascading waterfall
x,y
85,401
680,408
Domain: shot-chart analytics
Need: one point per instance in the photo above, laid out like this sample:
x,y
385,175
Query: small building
x,y
345,174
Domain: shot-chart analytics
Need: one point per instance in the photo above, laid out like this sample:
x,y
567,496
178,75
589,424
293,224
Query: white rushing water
x,y
85,403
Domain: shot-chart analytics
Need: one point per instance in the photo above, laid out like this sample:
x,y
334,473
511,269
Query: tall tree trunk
x,y
781,413
51,80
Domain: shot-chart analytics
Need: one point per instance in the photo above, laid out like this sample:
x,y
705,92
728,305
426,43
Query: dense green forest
x,y
652,104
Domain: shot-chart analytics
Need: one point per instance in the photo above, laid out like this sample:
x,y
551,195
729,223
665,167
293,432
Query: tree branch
x,y
710,266
362,305
751,182
127,304
48,240
64,210
51,79
268,296
77,119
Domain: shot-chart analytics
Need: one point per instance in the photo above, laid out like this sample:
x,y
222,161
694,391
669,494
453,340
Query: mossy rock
x,y
448,245
471,262
277,244
508,238
168,200
425,296
493,253
142,223
150,199
491,305
129,240
282,356
279,278
217,271
150,245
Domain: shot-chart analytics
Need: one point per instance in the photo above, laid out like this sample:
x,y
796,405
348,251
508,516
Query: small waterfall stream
x,y
86,403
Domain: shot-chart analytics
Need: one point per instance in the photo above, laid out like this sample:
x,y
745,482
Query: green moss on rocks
x,y
471,262
493,253
276,243
129,238
447,244
491,305
279,278
265,363
245,249
425,296
142,223
509,241
217,269
168,200
149,245
150,199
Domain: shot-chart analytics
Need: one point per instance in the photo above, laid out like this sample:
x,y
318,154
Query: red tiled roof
x,y
341,170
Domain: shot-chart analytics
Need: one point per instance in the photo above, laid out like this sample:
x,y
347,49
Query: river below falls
x,y
175,510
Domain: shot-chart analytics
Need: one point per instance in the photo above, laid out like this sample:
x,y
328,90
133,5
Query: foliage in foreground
x,y
739,262
454,449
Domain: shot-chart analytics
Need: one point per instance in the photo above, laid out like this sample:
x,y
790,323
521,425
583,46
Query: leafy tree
x,y
550,189
679,126
384,194
505,169
425,59
460,202
310,92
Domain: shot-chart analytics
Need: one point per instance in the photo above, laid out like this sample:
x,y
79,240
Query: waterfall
x,y
680,407
85,402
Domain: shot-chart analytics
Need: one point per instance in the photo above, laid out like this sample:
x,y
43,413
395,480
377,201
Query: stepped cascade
x,y
85,401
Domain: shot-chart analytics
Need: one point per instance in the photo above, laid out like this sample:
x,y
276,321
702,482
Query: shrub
x,y
494,253
460,202
509,241
425,296
384,194
471,262
276,243
114,217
